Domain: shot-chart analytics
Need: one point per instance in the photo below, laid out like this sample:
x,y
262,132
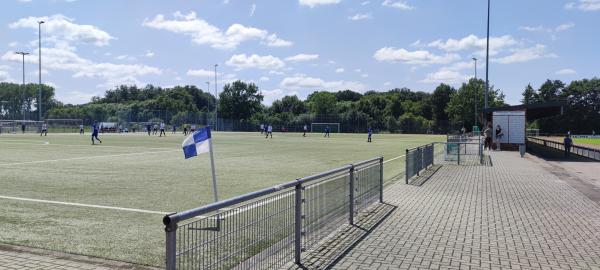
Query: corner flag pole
x,y
212,168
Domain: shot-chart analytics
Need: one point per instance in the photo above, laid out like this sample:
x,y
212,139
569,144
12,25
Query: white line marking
x,y
84,205
77,145
89,157
392,159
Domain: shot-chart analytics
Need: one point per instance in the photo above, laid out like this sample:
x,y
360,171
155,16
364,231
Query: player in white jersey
x,y
44,129
162,130
81,130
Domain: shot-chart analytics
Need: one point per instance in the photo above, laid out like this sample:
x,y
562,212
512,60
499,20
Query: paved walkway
x,y
512,215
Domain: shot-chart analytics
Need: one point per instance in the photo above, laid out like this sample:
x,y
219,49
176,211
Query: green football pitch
x,y
591,141
61,193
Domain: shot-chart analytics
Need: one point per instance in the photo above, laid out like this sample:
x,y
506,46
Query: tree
x,y
551,90
239,100
439,101
290,104
348,95
530,96
322,102
461,108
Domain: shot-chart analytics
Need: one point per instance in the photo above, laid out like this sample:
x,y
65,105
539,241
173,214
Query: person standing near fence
x,y
162,130
95,132
44,129
305,129
262,128
499,135
487,143
326,132
81,131
269,131
174,129
568,142
370,134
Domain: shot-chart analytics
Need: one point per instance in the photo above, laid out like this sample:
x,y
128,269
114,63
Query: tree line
x,y
396,110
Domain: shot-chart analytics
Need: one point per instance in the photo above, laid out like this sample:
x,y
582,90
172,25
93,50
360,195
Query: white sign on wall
x,y
512,124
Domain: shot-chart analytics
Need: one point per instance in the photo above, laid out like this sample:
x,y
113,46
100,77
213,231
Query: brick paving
x,y
512,215
16,257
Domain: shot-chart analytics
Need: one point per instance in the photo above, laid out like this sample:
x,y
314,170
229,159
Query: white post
x,y
212,168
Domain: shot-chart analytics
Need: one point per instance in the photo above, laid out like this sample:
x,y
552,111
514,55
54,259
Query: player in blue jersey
x,y
95,132
370,134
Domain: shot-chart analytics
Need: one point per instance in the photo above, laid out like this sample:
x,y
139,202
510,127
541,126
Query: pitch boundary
x,y
81,158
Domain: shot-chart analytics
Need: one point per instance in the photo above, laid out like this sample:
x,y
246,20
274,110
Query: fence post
x,y
171,246
298,224
458,144
420,156
351,197
381,180
406,166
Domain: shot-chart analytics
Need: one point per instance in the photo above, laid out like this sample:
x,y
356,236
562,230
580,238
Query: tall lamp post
x,y
476,94
216,103
487,65
208,91
23,87
39,103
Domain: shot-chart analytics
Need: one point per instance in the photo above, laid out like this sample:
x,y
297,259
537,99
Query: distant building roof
x,y
533,111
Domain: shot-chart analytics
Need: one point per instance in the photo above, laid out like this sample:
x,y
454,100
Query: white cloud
x,y
539,28
204,33
473,42
420,57
243,61
339,70
302,57
585,5
252,10
401,5
360,16
201,73
75,97
358,70
445,76
364,75
365,3
314,3
125,57
273,41
566,71
13,44
525,54
264,79
387,83
68,60
300,81
149,54
4,75
61,28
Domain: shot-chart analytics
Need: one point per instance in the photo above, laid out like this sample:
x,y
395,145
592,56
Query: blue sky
x,y
298,46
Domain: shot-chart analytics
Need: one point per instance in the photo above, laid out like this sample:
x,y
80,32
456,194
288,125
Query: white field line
x,y
392,159
43,143
80,158
84,205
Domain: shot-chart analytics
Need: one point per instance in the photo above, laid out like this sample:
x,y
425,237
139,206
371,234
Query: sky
x,y
294,47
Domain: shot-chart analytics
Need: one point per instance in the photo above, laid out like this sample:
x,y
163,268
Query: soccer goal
x,y
64,125
320,127
20,126
532,132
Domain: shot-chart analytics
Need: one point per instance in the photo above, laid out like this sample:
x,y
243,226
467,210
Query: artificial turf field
x,y
51,187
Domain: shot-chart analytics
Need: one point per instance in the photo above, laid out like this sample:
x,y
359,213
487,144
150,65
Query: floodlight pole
x,y
208,91
216,100
487,66
23,87
476,94
40,70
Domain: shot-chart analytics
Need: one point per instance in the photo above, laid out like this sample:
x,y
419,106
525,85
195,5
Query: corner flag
x,y
197,143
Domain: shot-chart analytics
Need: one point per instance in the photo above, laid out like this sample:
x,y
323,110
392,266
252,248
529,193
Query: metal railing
x,y
269,228
583,151
460,153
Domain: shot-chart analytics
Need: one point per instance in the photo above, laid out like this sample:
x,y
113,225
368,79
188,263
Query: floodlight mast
x,y
40,70
487,65
23,87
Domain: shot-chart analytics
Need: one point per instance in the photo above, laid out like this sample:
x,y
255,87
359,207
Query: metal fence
x,y
459,153
272,227
575,149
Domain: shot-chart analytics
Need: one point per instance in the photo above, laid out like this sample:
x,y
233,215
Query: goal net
x,y
20,126
320,127
64,125
531,132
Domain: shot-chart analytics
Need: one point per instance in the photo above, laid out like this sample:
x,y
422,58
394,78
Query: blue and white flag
x,y
197,143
